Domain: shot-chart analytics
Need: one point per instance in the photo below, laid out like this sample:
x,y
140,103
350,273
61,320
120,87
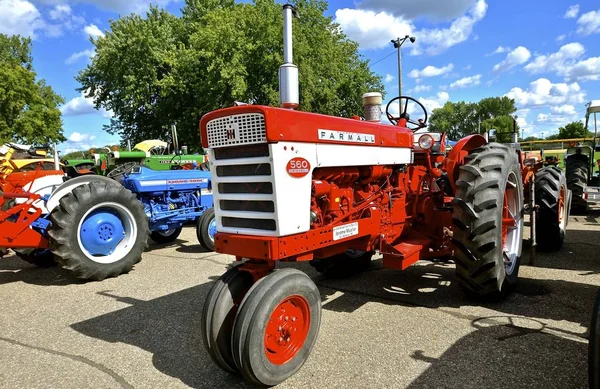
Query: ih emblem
x,y
231,131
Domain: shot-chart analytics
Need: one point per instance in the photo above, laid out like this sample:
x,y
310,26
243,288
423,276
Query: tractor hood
x,y
142,179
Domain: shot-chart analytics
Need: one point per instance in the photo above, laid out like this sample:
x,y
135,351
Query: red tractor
x,y
287,186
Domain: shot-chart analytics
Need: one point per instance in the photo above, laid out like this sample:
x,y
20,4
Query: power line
x,y
390,54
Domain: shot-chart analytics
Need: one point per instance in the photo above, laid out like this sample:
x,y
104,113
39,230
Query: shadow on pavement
x,y
507,352
169,328
13,269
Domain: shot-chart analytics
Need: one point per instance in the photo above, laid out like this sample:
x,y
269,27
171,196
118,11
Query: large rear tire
x,y
488,222
276,327
218,315
551,198
577,177
99,230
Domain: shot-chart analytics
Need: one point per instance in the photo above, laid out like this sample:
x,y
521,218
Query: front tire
x,y
276,327
551,198
206,228
218,315
99,230
488,222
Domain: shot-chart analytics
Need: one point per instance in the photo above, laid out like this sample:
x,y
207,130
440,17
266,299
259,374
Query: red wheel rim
x,y
508,220
287,329
561,205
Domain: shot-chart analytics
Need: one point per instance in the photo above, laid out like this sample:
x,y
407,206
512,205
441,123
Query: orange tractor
x,y
287,186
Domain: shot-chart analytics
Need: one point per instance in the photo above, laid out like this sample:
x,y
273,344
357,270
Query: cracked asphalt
x,y
382,328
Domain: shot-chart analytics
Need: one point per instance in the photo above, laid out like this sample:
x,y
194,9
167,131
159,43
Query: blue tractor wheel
x,y
99,230
206,228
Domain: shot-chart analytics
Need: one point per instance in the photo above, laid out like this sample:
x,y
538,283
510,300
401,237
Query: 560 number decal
x,y
298,167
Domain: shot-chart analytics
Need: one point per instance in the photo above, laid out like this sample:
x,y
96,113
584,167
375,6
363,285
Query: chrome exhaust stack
x,y
288,72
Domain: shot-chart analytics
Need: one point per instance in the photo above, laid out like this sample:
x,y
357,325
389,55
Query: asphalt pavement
x,y
380,329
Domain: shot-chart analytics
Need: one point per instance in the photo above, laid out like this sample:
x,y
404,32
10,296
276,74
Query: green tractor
x,y
154,154
583,170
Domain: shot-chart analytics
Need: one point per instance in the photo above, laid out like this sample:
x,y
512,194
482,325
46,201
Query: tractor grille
x,y
244,190
242,129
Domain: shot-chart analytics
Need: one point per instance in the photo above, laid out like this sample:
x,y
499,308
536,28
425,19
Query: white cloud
x,y
466,82
372,30
375,30
422,88
82,105
436,41
88,53
430,71
60,11
499,50
589,23
542,92
93,31
566,109
567,62
572,12
561,38
388,78
433,9
79,137
518,56
20,17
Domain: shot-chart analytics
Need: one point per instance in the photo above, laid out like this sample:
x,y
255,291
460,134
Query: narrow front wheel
x,y
276,327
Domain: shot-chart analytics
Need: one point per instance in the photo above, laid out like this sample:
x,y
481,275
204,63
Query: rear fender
x,y
71,184
456,156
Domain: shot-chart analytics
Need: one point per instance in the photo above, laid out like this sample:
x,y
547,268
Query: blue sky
x,y
545,57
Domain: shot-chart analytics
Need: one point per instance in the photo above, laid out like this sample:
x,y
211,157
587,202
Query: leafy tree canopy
x,y
28,108
461,118
161,69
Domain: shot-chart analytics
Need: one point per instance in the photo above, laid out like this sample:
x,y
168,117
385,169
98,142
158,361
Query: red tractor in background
x,y
287,186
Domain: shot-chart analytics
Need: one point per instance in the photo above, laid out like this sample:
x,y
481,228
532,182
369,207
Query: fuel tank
x,y
142,180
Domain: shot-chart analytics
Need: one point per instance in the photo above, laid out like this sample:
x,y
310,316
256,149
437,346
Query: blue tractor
x,y
172,198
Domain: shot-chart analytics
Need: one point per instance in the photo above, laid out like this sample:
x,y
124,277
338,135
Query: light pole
x,y
397,44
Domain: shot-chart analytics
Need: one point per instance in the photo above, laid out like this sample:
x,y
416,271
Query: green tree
x,y
460,119
28,108
456,119
158,70
573,130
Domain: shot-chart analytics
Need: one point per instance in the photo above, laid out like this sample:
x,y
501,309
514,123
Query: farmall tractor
x,y
288,187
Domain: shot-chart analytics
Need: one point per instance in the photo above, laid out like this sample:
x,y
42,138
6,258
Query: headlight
x,y
426,142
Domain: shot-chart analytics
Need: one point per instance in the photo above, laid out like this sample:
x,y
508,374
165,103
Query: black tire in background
x,y
577,177
168,236
203,229
488,183
64,232
552,202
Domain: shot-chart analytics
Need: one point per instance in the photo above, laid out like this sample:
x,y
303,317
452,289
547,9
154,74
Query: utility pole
x,y
397,44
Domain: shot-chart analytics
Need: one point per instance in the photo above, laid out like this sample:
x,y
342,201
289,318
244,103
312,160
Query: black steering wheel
x,y
404,112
